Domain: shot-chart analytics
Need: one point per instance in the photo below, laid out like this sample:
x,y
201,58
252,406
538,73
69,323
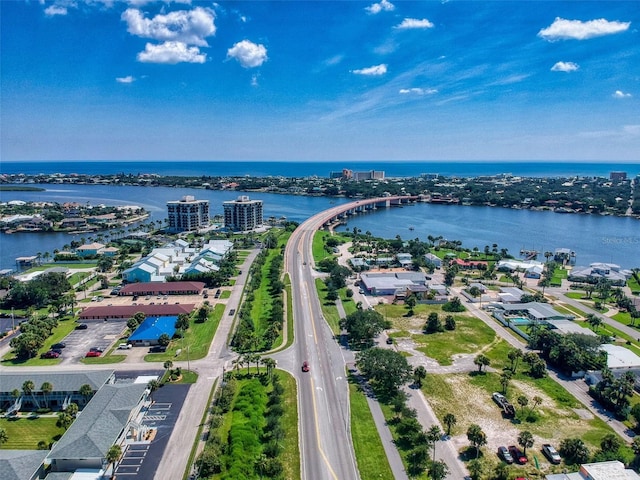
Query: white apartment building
x,y
242,214
188,214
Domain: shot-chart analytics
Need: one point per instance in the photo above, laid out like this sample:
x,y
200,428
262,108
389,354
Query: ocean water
x,y
322,169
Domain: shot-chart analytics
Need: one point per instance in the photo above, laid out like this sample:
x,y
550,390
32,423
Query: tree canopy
x,y
363,326
386,369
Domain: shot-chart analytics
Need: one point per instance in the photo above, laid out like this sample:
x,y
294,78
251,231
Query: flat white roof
x,y
620,357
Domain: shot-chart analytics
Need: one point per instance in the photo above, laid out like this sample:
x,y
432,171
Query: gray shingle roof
x,y
100,423
20,464
61,381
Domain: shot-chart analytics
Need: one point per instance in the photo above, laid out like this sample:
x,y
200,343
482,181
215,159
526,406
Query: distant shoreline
x,y
16,188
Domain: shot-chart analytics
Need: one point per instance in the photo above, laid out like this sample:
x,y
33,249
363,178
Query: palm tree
x,y
433,435
153,385
113,455
86,391
450,421
419,374
270,363
4,438
481,361
27,388
46,388
505,378
525,440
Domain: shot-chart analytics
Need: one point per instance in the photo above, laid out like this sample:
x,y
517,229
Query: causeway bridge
x,y
340,212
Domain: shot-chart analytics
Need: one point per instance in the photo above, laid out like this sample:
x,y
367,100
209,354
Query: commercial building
x,y
598,471
243,214
150,331
188,214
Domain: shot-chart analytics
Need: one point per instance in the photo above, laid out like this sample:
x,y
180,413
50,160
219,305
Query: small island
x,y
72,217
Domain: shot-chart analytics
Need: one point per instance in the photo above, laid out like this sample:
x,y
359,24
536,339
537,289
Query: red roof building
x,y
163,288
128,311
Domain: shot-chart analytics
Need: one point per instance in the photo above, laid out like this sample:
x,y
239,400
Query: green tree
x,y
164,340
153,385
64,420
28,388
505,379
476,469
4,438
419,374
86,391
574,451
113,455
410,302
72,409
363,326
525,440
386,369
450,421
523,401
433,435
46,388
433,324
449,322
477,437
481,361
438,470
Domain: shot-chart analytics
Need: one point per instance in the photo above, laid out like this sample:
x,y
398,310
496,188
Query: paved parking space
x,y
140,460
99,334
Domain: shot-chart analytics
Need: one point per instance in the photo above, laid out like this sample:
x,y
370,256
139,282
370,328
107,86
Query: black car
x,y
82,326
96,349
158,349
58,345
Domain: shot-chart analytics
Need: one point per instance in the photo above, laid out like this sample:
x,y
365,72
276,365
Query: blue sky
x,y
305,80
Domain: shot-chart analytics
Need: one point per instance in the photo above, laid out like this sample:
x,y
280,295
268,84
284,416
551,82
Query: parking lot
x,y
98,334
140,460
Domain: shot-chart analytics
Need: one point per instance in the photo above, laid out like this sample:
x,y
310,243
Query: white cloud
x,y
418,91
171,53
565,67
562,29
383,6
127,79
190,27
413,23
376,70
621,94
248,54
53,10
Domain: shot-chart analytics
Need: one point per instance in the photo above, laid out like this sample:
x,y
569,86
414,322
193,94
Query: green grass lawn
x,y
105,360
318,250
196,340
224,294
329,310
25,432
370,454
470,336
291,451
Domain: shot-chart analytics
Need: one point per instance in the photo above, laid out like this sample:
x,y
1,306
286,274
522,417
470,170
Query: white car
x,y
124,346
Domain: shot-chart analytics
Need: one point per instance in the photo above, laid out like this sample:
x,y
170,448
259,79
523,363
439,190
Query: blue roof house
x,y
150,330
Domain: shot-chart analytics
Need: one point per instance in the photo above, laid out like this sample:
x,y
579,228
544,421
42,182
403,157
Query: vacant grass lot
x,y
24,433
329,309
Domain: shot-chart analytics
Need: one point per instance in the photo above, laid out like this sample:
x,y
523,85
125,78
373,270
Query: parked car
x,y
50,354
82,326
389,341
124,346
305,366
158,349
96,349
92,353
232,311
551,453
517,455
58,345
504,454
57,350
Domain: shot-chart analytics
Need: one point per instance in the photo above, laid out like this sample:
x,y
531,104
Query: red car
x,y
517,455
305,366
50,354
92,354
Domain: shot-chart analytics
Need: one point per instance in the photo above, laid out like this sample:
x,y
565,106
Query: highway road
x,y
323,396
